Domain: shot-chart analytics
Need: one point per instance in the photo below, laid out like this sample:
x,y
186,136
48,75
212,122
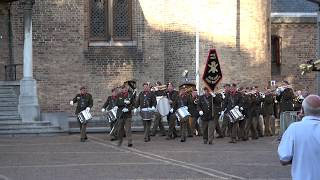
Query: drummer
x,y
84,102
183,100
125,102
195,127
158,92
232,100
107,106
146,101
172,95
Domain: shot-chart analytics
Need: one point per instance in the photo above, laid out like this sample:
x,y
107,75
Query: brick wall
x,y
64,60
164,33
298,45
238,30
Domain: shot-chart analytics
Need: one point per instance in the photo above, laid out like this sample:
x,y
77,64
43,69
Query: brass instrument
x,y
280,89
310,66
220,91
159,88
196,100
189,90
189,87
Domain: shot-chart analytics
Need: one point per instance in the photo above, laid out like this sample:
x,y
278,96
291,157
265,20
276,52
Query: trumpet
x,y
159,88
280,89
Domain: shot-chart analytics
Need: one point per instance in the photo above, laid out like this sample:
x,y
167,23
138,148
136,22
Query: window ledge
x,y
112,43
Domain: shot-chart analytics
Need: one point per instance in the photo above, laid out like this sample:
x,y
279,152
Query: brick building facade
x,y
158,46
293,23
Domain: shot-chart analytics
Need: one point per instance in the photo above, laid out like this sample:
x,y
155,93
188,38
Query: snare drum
x,y
235,115
182,113
146,114
111,115
84,116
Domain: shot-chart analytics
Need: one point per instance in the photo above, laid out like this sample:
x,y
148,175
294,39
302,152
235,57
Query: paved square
x,y
64,157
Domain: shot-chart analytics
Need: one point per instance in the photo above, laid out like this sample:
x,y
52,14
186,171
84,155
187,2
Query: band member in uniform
x,y
285,98
232,100
84,102
218,108
172,95
268,104
158,118
125,103
146,100
253,116
108,105
260,111
183,100
195,127
209,108
245,108
224,126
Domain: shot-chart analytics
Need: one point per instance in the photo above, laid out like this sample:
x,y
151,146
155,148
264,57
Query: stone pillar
x,y
28,100
318,50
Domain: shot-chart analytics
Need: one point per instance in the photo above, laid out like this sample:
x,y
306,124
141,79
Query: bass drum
x,y
163,105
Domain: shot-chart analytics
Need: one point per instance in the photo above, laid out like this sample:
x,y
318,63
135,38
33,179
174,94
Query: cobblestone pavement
x,y
65,157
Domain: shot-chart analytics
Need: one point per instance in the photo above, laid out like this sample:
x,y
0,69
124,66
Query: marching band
x,y
239,113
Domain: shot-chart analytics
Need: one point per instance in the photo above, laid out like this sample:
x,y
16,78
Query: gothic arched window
x,y
110,20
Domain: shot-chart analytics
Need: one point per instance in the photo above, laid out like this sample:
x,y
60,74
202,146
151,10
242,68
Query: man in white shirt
x,y
300,144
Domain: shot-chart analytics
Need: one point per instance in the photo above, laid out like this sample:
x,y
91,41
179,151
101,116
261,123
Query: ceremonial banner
x,y
212,73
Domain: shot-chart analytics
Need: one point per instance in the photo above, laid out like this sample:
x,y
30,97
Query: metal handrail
x,y
11,72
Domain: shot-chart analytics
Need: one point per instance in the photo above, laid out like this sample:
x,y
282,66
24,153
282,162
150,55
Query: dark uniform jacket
x,y
245,104
83,101
255,105
211,106
194,107
286,100
160,93
110,103
146,100
121,104
268,104
181,101
172,96
230,101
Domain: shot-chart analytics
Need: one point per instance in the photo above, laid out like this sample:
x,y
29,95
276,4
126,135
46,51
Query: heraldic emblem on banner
x,y
212,72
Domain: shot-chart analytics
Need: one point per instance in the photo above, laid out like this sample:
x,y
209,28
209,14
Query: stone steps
x,y
31,131
9,104
8,95
19,123
9,117
10,121
8,108
9,113
8,99
20,127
